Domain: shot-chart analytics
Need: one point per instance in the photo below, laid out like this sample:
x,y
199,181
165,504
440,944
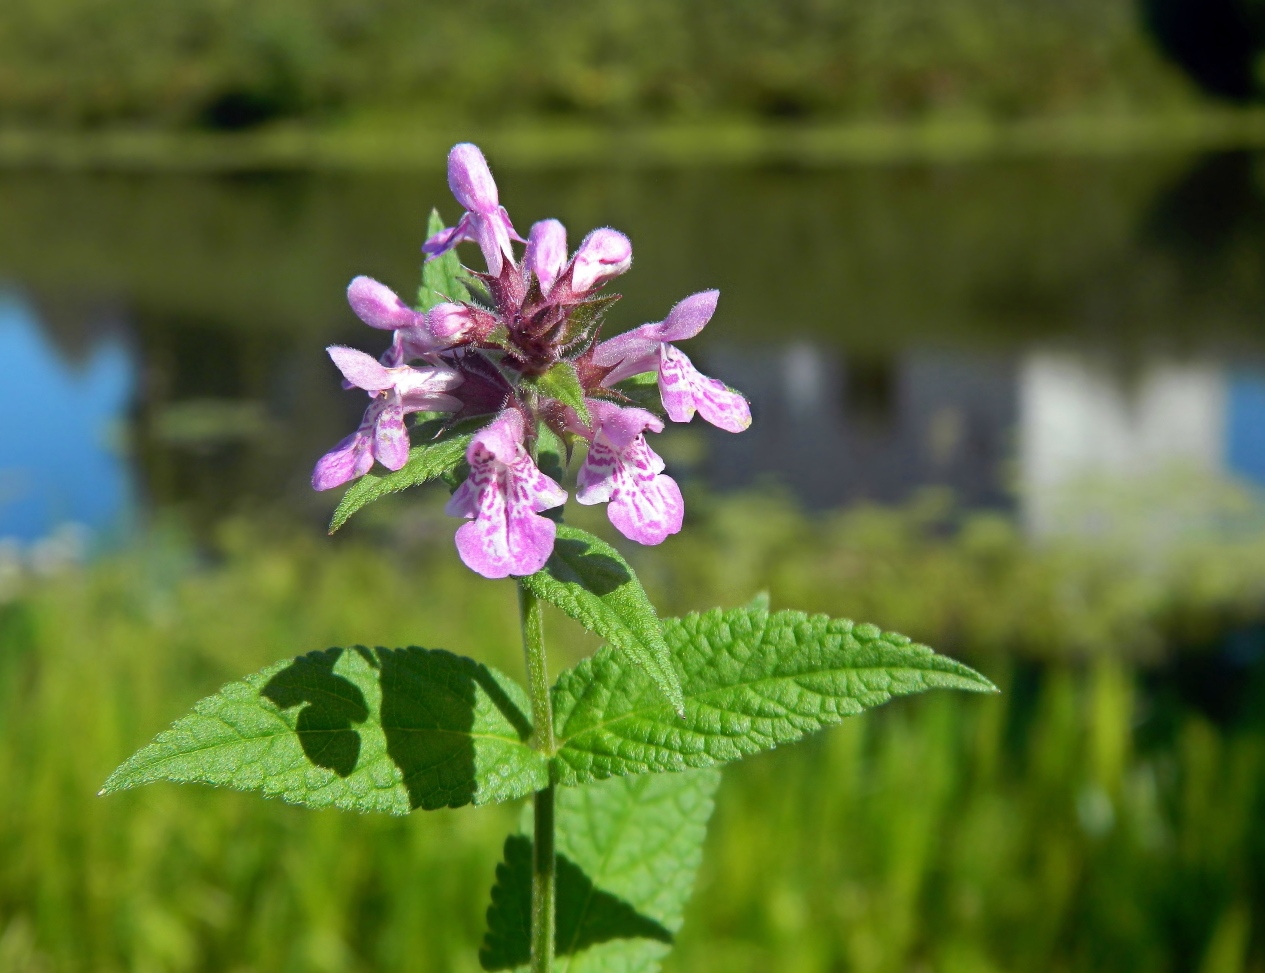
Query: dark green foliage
x,y
628,854
234,64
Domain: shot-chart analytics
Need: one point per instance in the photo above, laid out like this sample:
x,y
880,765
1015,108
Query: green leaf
x,y
426,462
551,455
562,383
590,581
643,391
383,730
628,853
752,680
443,279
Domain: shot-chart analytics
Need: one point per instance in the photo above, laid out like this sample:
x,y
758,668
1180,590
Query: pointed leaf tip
x,y
751,681
387,730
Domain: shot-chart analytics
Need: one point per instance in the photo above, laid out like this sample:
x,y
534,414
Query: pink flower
x,y
546,252
381,435
645,505
504,495
683,388
485,221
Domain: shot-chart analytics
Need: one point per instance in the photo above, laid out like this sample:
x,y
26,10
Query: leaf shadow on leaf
x,y
427,716
428,713
574,562
586,915
333,704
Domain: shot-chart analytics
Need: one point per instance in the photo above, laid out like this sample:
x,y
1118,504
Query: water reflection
x,y
895,328
61,439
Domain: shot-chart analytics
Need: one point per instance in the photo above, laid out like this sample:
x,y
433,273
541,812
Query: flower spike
x,y
520,356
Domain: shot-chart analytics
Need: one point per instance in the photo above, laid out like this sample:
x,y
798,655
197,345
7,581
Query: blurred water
x,y
61,441
1007,331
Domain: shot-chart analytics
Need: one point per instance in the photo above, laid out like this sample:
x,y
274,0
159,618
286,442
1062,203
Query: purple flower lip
x,y
502,498
621,470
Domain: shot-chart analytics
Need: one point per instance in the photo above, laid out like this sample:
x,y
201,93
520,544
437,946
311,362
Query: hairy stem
x,y
543,882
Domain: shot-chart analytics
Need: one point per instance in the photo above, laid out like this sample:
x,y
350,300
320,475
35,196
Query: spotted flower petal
x,y
685,389
621,469
504,495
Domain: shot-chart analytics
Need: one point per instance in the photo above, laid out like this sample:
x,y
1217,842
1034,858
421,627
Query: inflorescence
x,y
527,358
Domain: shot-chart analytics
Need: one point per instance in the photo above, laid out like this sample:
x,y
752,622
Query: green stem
x,y
543,879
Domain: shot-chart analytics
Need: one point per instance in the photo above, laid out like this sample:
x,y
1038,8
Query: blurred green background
x,y
992,274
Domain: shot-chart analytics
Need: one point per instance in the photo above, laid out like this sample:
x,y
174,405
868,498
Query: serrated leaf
x,y
562,383
426,462
628,853
386,730
443,279
751,680
590,581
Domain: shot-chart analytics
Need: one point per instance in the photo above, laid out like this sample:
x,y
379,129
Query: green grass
x,y
1082,820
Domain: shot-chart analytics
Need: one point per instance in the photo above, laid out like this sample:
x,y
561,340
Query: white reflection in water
x,y
60,461
1099,451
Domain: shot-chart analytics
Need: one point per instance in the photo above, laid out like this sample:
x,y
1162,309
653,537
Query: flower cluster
x,y
525,354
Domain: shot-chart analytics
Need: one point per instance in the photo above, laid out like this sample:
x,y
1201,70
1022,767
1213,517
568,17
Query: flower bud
x,y
449,323
471,180
604,254
546,252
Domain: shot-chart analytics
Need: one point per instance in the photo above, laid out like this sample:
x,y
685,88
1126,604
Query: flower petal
x,y
379,307
646,507
683,389
445,240
390,438
470,179
619,426
688,317
637,351
363,371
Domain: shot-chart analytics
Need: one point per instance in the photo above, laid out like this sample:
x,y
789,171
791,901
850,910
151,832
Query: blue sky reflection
x,y
60,456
